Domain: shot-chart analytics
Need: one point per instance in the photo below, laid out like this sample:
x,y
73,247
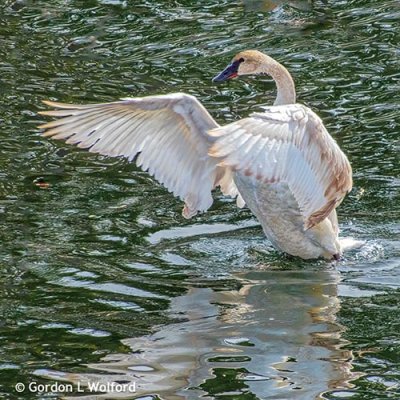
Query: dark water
x,y
101,278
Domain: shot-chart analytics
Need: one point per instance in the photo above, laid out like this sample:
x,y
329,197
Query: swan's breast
x,y
278,212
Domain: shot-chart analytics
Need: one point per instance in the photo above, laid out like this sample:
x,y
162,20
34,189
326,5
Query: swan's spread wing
x,y
168,132
288,144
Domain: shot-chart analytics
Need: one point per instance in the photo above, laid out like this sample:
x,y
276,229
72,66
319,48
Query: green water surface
x,y
102,280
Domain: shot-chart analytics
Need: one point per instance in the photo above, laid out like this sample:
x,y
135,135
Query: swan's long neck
x,y
286,92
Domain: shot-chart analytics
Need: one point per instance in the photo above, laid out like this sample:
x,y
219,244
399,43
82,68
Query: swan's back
x,y
291,174
288,144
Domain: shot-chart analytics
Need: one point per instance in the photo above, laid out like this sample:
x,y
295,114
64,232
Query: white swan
x,y
281,162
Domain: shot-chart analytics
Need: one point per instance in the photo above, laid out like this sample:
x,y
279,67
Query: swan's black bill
x,y
230,72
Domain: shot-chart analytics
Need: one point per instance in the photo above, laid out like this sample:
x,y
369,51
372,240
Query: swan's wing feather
x,y
167,135
288,144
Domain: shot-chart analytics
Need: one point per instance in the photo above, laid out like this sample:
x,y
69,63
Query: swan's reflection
x,y
274,337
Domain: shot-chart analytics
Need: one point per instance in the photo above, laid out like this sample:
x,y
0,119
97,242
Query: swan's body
x,y
281,162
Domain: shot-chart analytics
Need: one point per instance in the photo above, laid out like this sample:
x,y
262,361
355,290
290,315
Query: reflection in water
x,y
271,5
275,336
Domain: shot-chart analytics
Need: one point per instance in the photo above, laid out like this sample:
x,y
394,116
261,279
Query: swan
x,y
281,162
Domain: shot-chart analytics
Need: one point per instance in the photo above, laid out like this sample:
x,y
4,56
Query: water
x,y
103,281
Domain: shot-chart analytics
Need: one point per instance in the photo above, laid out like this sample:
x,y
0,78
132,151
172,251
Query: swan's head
x,y
249,62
